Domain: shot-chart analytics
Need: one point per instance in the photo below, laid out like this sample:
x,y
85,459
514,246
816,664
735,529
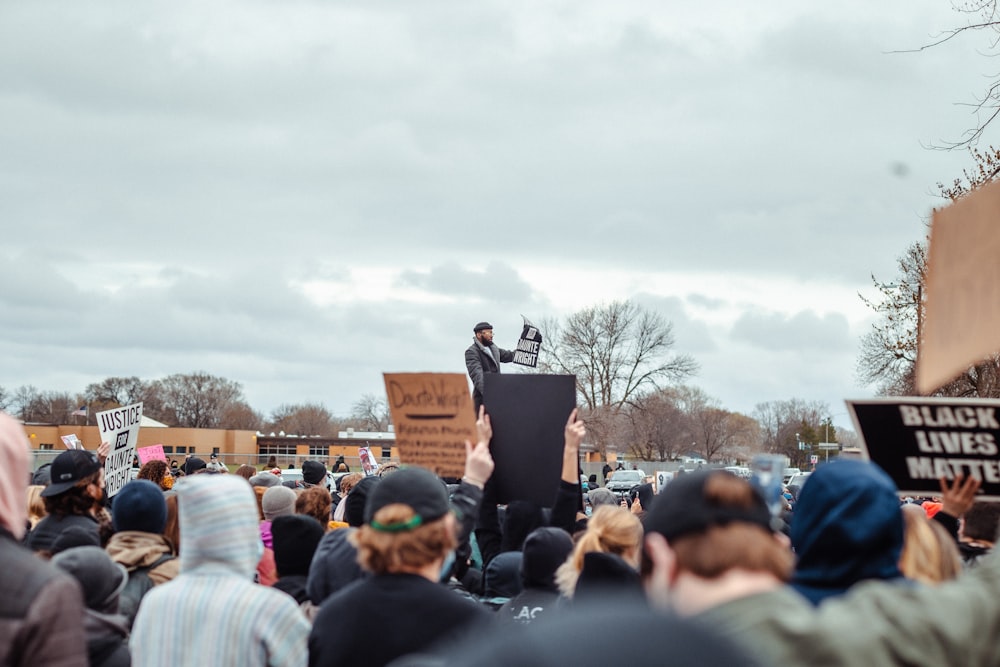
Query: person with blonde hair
x,y
607,554
36,505
929,555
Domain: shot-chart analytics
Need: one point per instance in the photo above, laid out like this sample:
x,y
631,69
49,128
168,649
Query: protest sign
x,y
120,428
528,346
432,416
71,441
368,462
663,477
152,453
528,414
961,323
918,440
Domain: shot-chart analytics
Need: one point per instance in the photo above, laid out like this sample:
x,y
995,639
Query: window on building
x,y
48,446
319,451
386,452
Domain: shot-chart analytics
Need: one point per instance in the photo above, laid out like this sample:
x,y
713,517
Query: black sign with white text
x,y
528,345
919,440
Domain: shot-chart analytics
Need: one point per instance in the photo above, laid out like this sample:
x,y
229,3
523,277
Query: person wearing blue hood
x,y
847,528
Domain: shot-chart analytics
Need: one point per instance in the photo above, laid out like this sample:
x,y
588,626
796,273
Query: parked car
x,y
798,479
623,482
789,473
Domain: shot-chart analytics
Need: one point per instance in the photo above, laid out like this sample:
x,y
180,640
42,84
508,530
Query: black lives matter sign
x,y
917,441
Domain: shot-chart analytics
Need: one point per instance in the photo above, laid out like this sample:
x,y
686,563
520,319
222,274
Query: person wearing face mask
x,y
73,499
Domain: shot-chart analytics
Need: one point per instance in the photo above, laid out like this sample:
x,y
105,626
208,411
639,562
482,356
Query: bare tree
x,y
303,419
197,400
371,413
716,433
5,398
618,352
658,429
785,424
239,415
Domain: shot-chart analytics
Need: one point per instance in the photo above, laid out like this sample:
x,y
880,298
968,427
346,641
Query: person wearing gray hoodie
x,y
102,580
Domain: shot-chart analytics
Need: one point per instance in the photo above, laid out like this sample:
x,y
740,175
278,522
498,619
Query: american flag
x,y
82,412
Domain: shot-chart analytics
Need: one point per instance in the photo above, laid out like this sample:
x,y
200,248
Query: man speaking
x,y
483,356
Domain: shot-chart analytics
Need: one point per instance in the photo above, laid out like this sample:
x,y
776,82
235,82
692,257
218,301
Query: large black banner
x,y
528,413
919,440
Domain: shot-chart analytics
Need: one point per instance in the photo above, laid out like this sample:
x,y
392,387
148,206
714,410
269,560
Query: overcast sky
x,y
301,195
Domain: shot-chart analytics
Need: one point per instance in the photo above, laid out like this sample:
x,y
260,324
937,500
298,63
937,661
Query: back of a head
x,y
847,527
601,496
930,555
357,500
544,551
982,521
716,522
611,530
278,501
140,506
295,538
218,523
101,578
408,524
15,451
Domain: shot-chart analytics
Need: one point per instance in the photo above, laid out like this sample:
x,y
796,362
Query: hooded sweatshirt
x,y
213,613
847,528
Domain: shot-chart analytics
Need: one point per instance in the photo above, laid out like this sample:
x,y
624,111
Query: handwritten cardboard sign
x,y
151,453
433,416
528,345
918,440
961,323
120,428
528,414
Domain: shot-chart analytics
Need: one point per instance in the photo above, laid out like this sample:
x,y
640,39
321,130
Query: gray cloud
x,y
804,330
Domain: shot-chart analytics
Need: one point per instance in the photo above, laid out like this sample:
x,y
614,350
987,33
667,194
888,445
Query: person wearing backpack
x,y
139,516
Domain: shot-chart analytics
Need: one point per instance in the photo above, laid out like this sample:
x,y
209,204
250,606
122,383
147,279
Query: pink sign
x,y
151,453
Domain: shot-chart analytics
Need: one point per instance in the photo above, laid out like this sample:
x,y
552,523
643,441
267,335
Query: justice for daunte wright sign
x,y
528,345
120,428
919,440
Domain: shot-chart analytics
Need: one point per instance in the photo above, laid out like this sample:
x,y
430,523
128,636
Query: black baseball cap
x,y
69,468
482,326
682,508
416,487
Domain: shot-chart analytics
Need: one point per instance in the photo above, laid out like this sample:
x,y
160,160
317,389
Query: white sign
x,y
663,478
71,441
814,459
120,428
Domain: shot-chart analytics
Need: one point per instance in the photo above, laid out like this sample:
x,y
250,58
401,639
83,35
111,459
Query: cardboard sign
x,y
433,416
528,414
368,462
120,428
961,323
528,346
71,441
152,453
918,440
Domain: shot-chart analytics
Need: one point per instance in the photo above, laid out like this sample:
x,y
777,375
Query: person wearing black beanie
x,y
295,538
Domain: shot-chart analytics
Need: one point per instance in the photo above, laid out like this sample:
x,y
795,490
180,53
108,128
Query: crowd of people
x,y
189,566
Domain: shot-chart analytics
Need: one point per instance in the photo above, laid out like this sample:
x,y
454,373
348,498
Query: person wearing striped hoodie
x,y
213,613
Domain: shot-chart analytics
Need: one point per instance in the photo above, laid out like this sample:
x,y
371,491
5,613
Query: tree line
x,y
631,385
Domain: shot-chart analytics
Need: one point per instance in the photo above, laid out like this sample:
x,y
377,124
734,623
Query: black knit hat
x,y
68,468
415,487
140,505
294,538
682,508
482,326
314,472
357,500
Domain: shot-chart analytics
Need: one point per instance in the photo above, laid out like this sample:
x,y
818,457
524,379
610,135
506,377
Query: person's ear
x,y
664,572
